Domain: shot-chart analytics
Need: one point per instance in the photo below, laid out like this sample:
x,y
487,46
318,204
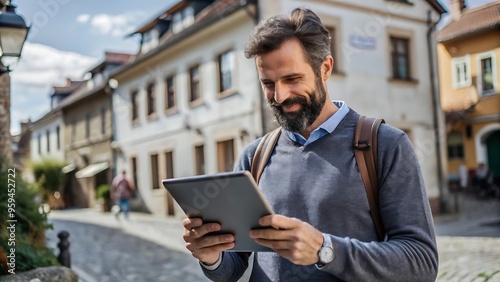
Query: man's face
x,y
296,95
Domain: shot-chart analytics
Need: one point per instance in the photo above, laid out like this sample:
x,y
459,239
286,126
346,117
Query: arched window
x,y
455,145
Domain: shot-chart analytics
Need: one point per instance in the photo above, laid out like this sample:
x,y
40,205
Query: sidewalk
x,y
468,242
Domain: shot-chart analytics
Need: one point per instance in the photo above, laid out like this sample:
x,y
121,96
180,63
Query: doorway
x,y
493,153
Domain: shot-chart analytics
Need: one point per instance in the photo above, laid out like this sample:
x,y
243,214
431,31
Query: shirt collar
x,y
325,128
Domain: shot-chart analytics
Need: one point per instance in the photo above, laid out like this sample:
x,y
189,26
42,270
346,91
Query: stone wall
x,y
5,138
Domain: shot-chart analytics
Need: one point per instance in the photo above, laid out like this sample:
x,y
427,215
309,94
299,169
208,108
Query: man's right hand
x,y
207,249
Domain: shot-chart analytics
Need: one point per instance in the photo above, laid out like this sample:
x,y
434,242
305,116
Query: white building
x,y
191,101
47,141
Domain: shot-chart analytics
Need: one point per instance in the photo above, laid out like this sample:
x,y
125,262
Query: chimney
x,y
456,8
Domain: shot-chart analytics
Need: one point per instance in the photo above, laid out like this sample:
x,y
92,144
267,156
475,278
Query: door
x,y
493,149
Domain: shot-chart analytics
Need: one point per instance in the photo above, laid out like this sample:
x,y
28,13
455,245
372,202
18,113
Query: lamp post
x,y
13,33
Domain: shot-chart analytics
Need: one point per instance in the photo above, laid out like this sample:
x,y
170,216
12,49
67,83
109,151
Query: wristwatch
x,y
326,252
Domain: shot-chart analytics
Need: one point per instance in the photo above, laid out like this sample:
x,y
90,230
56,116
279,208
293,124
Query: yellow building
x,y
469,73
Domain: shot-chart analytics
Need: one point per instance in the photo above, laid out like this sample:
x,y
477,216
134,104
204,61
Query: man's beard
x,y
298,121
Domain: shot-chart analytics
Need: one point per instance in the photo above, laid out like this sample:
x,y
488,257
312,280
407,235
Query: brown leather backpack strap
x,y
365,151
263,153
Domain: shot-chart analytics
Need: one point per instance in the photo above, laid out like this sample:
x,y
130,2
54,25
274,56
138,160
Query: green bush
x,y
103,191
48,173
30,249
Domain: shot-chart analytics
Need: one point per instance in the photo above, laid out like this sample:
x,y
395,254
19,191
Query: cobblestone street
x,y
150,248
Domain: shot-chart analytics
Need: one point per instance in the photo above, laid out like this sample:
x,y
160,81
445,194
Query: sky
x,y
69,37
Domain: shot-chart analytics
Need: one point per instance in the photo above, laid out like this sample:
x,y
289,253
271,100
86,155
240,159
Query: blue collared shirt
x,y
325,128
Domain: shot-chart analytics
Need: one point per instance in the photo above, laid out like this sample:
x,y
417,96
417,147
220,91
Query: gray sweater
x,y
320,184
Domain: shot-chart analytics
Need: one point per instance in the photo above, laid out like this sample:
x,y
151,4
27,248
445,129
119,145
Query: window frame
x,y
222,89
225,156
194,81
155,173
199,159
455,150
396,55
468,76
480,57
151,99
170,107
134,103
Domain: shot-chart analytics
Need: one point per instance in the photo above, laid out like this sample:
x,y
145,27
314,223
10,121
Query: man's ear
x,y
327,67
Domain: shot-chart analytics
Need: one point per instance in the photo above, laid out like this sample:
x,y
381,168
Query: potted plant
x,y
104,197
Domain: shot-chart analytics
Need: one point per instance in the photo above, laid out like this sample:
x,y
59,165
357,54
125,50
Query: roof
x,y
471,22
212,13
437,6
112,58
68,88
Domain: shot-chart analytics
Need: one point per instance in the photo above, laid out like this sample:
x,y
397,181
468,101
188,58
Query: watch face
x,y
326,254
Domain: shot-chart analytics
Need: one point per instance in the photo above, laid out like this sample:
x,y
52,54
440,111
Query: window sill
x,y
171,111
152,117
410,81
488,95
196,103
227,93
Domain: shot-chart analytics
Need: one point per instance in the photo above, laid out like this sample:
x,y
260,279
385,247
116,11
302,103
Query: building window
x,y
39,144
333,50
48,140
194,83
134,102
58,137
199,152
461,74
226,70
87,125
225,155
155,179
73,130
487,73
134,170
103,120
150,93
400,57
169,166
455,145
169,93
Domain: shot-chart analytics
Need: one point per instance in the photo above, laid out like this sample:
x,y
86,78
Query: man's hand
x,y
205,248
291,238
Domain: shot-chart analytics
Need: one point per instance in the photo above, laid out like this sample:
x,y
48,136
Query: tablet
x,y
230,198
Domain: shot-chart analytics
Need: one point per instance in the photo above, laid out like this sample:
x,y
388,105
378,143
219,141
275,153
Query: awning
x,y
69,168
91,170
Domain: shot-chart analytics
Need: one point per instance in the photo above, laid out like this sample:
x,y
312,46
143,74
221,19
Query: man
x,y
122,190
322,229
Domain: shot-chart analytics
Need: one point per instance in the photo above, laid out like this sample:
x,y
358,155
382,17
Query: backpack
x,y
124,189
365,151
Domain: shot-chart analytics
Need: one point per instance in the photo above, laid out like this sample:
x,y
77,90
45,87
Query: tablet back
x,y
230,198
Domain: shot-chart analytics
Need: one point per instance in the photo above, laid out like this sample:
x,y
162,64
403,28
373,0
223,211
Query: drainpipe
x,y
431,27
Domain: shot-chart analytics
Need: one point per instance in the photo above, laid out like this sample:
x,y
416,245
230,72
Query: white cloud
x,y
83,18
115,25
41,68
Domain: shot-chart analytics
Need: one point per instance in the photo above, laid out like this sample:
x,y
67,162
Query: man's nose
x,y
281,93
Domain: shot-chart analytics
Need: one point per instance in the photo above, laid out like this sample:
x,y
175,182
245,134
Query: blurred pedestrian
x,y
122,190
463,175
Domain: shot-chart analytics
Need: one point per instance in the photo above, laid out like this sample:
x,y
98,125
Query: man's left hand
x,y
291,238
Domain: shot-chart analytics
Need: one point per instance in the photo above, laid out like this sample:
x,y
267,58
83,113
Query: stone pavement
x,y
151,248
469,241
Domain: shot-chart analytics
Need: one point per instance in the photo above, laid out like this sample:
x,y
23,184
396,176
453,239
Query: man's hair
x,y
302,24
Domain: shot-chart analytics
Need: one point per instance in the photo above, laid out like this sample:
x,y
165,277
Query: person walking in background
x,y
122,190
463,176
322,229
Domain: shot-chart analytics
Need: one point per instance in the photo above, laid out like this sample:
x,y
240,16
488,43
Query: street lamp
x,y
13,33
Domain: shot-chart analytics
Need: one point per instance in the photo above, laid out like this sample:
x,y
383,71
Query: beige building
x,y
88,132
469,72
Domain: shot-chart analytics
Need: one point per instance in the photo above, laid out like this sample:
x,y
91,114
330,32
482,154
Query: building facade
x,y
191,101
469,71
88,132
